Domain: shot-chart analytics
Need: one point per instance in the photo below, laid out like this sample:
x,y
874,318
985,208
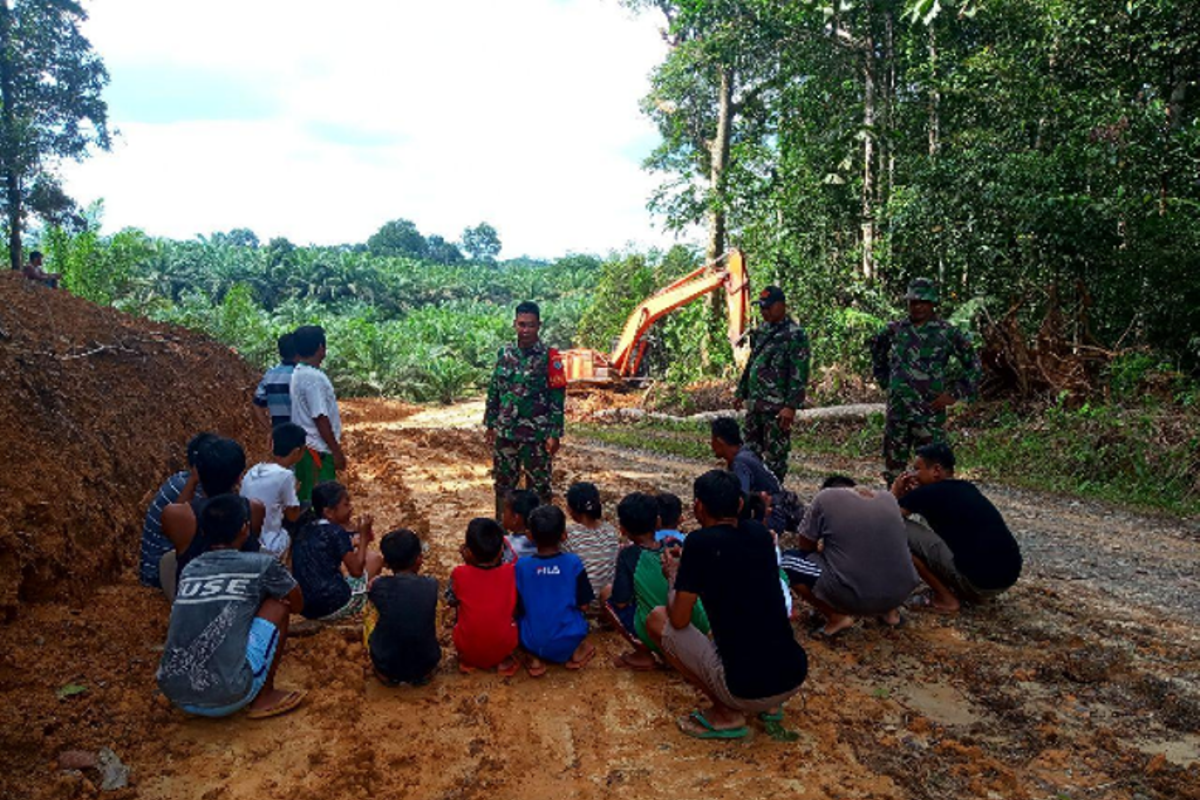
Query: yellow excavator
x,y
728,273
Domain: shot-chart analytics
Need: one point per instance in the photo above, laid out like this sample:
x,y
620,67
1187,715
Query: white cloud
x,y
522,113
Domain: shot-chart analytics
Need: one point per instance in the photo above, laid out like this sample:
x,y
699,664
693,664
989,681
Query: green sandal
x,y
708,731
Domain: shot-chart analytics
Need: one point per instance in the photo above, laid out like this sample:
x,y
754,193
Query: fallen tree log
x,y
856,411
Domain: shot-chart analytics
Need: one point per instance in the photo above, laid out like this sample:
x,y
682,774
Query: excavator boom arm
x,y
732,276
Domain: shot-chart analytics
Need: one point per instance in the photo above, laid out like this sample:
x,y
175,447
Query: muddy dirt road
x,y
1083,682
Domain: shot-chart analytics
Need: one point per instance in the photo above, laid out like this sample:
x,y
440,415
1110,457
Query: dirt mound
x,y
97,407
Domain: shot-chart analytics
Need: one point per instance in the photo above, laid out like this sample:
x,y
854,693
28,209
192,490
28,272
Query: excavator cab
x,y
727,273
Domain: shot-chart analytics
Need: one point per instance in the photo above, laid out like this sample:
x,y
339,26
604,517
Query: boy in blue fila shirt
x,y
552,591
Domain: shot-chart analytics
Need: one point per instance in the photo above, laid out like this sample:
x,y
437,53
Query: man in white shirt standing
x,y
315,409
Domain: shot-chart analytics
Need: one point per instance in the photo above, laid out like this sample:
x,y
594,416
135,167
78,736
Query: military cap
x,y
770,296
922,289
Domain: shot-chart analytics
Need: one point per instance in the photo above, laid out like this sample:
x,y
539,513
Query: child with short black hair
x,y
518,505
229,623
273,483
670,511
483,592
401,620
590,537
639,586
553,589
326,545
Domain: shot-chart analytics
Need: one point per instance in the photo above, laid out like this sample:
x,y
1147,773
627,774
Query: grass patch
x,y
1146,459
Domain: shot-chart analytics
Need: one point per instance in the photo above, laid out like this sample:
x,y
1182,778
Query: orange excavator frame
x,y
584,365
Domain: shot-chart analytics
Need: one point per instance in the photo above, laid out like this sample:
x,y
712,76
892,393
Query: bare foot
x,y
836,623
934,604
636,660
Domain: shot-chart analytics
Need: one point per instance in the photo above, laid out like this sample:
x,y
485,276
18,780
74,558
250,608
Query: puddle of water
x,y
1184,751
941,703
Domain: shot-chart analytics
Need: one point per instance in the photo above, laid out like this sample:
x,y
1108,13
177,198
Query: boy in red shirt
x,y
483,591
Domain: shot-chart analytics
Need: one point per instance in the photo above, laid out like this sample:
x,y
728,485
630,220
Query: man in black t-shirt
x,y
967,552
753,663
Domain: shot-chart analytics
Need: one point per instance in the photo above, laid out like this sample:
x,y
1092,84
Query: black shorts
x,y
800,569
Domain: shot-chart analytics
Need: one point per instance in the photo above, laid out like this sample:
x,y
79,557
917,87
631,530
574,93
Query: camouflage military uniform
x,y
911,362
525,408
776,377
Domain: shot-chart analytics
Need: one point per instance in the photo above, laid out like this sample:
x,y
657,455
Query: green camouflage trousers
x,y
511,459
903,433
767,438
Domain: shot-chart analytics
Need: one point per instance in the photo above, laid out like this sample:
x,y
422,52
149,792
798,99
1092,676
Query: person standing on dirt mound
x,y
315,409
524,415
910,359
274,393
774,382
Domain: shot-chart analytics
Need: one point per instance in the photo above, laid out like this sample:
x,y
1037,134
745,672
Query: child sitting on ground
x,y
274,484
640,585
483,592
229,623
518,504
590,537
553,589
670,511
401,619
327,545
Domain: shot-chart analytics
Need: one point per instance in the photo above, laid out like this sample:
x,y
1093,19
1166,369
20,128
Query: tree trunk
x,y
719,150
935,97
868,187
8,146
719,160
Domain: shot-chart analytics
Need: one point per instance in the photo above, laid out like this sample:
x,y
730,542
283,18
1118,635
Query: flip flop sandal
x,y
767,716
465,670
509,671
289,703
583,662
538,671
707,730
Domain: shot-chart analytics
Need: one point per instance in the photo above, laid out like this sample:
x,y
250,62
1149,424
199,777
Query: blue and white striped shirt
x,y
274,393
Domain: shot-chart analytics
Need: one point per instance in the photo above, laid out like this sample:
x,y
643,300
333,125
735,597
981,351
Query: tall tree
x,y
50,107
482,243
399,237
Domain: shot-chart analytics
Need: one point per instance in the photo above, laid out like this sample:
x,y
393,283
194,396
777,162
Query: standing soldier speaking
x,y
774,382
524,416
910,359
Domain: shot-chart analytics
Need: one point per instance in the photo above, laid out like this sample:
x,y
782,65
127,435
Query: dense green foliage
x,y
396,325
1038,152
1132,456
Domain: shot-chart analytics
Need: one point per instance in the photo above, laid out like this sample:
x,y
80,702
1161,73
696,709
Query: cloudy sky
x,y
321,121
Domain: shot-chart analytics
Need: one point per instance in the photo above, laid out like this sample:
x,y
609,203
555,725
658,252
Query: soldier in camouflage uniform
x,y
774,382
524,416
910,359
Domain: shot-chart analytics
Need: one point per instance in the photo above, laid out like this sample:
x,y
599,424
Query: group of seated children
x,y
525,587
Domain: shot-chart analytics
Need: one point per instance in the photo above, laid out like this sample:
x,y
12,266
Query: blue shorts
x,y
260,652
